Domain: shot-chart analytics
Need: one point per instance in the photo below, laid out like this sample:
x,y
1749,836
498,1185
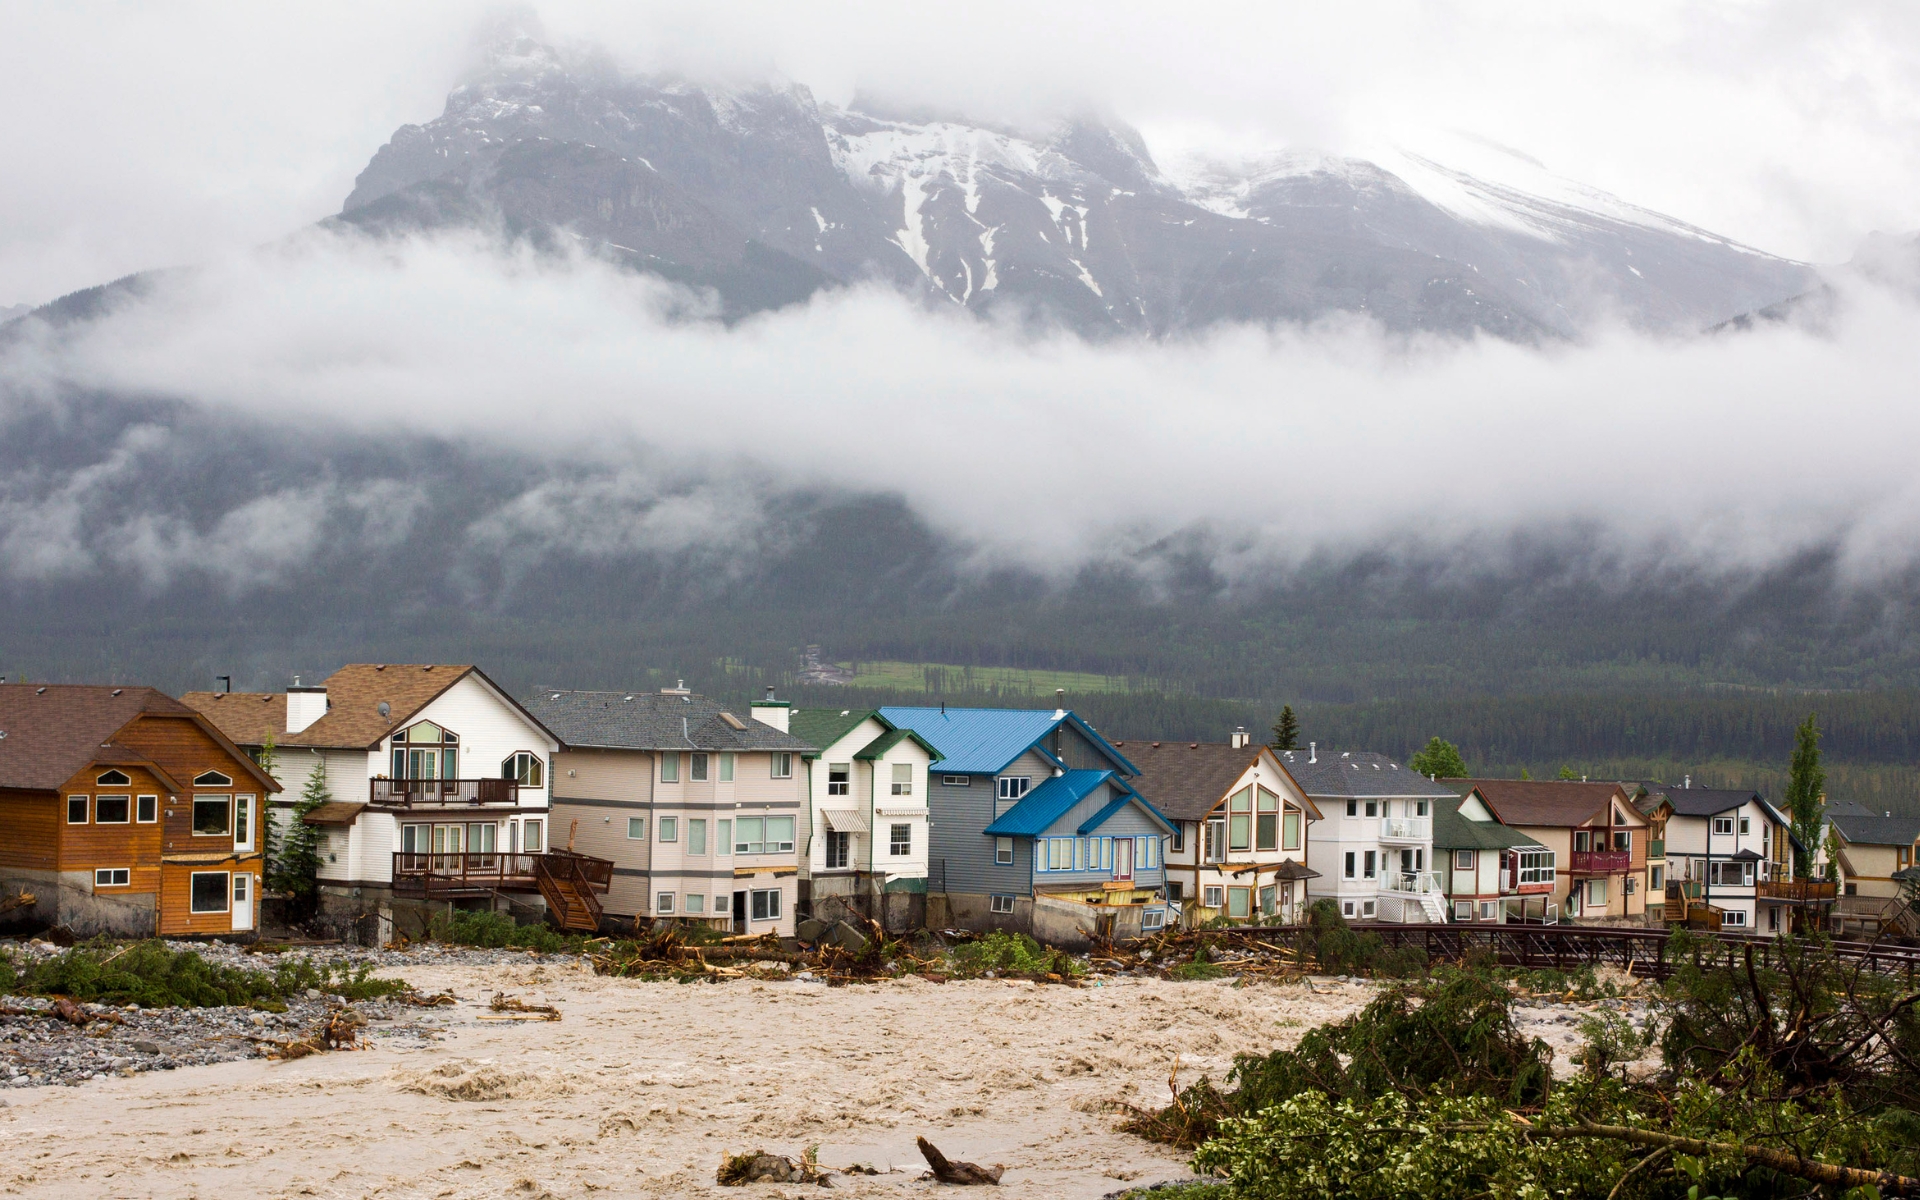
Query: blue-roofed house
x,y
1035,827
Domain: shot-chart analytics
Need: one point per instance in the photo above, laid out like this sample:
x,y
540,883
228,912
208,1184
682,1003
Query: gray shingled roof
x,y
1360,775
1707,802
644,720
1865,827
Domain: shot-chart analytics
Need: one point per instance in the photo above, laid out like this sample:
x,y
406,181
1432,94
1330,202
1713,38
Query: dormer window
x,y
525,769
211,779
426,751
113,779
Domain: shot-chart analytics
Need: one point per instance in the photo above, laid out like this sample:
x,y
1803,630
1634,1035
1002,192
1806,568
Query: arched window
x,y
426,751
526,769
113,779
211,779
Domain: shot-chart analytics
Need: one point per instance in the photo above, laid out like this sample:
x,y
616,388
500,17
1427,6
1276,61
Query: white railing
x,y
1406,829
1413,883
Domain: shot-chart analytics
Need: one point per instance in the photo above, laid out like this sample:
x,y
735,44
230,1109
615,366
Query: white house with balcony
x,y
1730,852
438,782
1372,852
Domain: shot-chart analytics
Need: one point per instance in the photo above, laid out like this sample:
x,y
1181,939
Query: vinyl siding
x,y
958,816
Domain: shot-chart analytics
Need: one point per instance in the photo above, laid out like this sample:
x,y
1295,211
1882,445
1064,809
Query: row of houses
x,y
131,812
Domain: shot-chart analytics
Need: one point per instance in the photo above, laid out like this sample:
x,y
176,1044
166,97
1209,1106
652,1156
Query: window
x,y
766,904
1369,861
1746,826
211,779
1012,787
839,779
669,768
723,837
1214,897
212,816
1632,885
956,781
1239,903
1733,918
1366,909
838,846
243,823
1346,908
903,779
1146,852
146,809
696,904
1420,808
698,768
525,769
112,810
207,892
1463,910
1353,810
780,765
112,877
76,810
1488,910
1000,904
696,837
1730,874
1536,866
900,840
1267,895
1623,839
424,751
1176,892
1216,841
1723,825
1349,868
1153,918
1003,851
1656,878
722,905
1179,835
726,776
669,829
1289,830
637,828
1373,808
1240,820
663,903
1463,860
763,835
1056,854
530,841
1596,893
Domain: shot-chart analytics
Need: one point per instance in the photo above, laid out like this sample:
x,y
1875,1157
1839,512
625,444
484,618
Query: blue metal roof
x,y
1041,807
983,741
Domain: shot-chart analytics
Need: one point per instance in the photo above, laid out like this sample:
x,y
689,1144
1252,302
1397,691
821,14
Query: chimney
x,y
1686,782
1059,704
1239,738
1313,752
772,712
305,705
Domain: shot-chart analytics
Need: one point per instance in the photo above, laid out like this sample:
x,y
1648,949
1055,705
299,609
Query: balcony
x,y
440,876
1410,883
1601,862
438,794
1800,891
1406,829
1657,848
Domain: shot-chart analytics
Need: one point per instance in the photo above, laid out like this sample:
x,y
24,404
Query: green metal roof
x,y
823,727
892,738
1452,831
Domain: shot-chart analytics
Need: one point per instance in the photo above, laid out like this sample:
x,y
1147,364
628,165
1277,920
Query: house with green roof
x,y
864,834
1489,872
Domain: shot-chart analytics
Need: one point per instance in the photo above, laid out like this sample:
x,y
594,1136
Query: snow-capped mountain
x,y
767,196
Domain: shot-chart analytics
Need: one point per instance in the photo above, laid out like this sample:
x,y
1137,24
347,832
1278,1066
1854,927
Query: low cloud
x,y
651,433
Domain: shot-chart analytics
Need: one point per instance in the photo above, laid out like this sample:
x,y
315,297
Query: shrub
x,y
1339,950
153,976
1010,954
496,931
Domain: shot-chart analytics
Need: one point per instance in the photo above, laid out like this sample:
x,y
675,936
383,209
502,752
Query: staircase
x,y
568,882
1430,905
1411,888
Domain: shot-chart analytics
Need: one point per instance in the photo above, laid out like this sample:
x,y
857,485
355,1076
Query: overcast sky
x,y
140,135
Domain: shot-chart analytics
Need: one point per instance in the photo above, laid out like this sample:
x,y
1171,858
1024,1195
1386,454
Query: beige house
x,y
1876,857
1597,837
698,808
1242,828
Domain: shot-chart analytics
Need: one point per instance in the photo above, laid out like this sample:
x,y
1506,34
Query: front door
x,y
242,900
1406,862
1123,858
739,912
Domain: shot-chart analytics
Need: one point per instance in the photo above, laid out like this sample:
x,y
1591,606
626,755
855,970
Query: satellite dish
x,y
385,709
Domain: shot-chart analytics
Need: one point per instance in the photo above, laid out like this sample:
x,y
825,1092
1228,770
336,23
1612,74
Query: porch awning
x,y
1294,870
334,812
844,820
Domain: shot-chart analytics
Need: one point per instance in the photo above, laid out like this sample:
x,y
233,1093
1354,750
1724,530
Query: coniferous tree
x,y
298,877
269,761
1441,759
1806,794
1286,730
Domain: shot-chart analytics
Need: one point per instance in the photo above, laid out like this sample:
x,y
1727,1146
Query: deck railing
x,y
443,793
476,873
1410,883
1405,829
1800,891
1601,862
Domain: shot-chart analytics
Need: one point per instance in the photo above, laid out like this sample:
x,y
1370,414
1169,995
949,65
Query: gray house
x,y
1035,827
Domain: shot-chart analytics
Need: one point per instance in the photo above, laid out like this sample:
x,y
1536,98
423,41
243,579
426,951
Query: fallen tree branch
x,y
946,1170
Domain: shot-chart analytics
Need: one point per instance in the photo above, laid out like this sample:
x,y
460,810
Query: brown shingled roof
x,y
1546,801
354,693
1185,780
245,717
49,732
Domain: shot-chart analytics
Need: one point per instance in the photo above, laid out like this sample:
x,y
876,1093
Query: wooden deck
x,y
571,884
